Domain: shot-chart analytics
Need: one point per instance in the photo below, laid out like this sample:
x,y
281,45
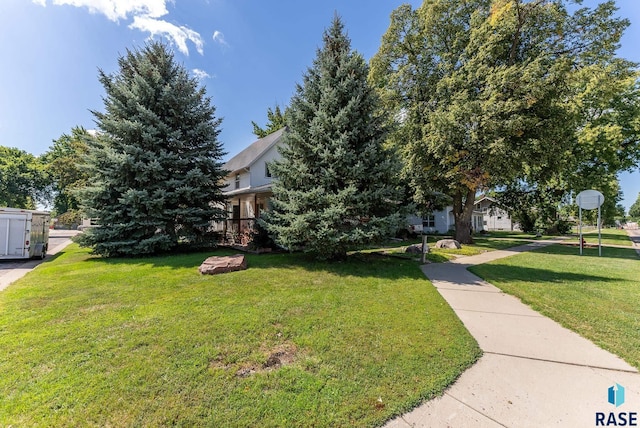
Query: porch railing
x,y
237,231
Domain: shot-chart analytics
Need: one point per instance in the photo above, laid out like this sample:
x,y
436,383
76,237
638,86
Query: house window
x,y
429,221
237,181
499,217
267,173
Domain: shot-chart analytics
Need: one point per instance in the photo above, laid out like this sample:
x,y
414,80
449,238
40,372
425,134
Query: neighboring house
x,y
248,189
441,222
494,217
248,185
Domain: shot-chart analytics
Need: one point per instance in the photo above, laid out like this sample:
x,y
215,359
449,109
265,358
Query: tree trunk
x,y
463,214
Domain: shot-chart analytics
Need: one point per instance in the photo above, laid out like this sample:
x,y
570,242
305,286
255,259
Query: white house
x,y
494,217
443,221
248,184
248,189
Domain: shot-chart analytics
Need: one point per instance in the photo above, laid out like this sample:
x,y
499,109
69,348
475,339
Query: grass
x,y
288,342
515,235
608,236
440,255
597,297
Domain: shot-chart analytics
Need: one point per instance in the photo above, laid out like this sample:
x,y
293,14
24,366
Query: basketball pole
x,y
599,229
580,229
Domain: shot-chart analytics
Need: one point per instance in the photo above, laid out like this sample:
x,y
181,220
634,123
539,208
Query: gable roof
x,y
248,156
484,197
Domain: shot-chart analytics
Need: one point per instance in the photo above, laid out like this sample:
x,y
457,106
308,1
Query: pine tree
x,y
335,184
275,122
156,165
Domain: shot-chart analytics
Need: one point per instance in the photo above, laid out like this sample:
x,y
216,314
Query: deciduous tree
x,y
64,162
485,93
23,180
634,210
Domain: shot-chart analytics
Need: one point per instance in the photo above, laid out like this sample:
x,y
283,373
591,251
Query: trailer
x,y
24,234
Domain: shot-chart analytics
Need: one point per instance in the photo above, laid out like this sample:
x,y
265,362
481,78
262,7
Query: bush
x,y
563,226
69,220
260,237
527,222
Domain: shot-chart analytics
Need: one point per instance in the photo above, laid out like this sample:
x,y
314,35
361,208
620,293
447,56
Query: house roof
x,y
248,156
265,188
483,197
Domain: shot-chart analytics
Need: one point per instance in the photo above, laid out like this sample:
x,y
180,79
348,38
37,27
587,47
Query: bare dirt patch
x,y
279,356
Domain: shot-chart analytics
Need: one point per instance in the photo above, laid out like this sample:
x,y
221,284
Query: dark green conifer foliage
x,y
276,121
156,166
335,186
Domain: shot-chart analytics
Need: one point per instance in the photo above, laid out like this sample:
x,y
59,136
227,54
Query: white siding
x,y
442,221
230,181
494,219
499,220
445,221
258,168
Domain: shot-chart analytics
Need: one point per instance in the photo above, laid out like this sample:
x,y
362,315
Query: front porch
x,y
244,206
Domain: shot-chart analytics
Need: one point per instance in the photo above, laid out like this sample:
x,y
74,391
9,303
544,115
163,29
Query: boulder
x,y
448,243
215,265
415,249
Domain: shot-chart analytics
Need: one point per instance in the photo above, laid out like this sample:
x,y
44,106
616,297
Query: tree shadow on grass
x,y
359,264
590,251
503,273
498,272
175,261
607,238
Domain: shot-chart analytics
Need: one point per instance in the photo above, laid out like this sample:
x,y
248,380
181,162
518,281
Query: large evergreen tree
x,y
155,167
334,188
275,122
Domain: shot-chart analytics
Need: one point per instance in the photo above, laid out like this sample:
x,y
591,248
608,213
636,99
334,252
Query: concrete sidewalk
x,y
533,373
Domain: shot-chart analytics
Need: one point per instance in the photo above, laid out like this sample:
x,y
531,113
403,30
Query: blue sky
x,y
249,54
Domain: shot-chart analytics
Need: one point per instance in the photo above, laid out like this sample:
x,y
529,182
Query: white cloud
x,y
176,34
145,14
200,74
117,9
219,37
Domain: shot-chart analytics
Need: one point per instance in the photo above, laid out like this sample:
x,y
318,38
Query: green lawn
x,y
597,297
608,236
288,342
515,235
439,255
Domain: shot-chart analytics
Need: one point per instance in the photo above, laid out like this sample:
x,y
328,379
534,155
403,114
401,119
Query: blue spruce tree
x,y
156,165
335,187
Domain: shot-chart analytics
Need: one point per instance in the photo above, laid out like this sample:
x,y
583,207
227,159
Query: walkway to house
x,y
534,372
